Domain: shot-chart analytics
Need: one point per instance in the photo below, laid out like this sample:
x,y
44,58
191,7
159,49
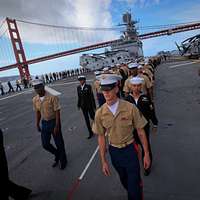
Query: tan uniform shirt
x,y
148,67
47,107
125,69
149,73
119,127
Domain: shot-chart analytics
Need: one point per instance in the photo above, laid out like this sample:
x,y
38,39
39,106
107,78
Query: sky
x,y
90,13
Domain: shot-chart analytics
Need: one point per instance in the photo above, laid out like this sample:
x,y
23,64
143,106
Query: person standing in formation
x,y
117,119
47,109
10,87
86,102
145,106
2,88
18,86
132,72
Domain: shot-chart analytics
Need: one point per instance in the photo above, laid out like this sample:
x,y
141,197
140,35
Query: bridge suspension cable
x,y
117,28
161,26
2,23
6,51
61,38
72,27
43,42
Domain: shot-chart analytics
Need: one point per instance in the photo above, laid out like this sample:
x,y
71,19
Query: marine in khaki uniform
x,y
147,71
148,66
47,110
125,68
132,72
124,72
117,119
147,86
136,70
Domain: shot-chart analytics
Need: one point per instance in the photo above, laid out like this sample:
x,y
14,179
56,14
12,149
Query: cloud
x,y
73,13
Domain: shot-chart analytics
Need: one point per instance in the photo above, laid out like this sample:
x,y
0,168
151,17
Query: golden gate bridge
x,y
23,43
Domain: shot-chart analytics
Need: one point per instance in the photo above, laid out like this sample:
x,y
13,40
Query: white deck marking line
x,y
76,184
88,164
189,63
52,91
14,95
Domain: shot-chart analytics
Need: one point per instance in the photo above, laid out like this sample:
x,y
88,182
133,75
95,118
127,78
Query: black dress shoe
x,y
147,172
90,136
55,164
56,161
62,165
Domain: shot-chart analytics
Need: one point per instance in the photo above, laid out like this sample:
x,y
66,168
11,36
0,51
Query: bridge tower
x,y
18,49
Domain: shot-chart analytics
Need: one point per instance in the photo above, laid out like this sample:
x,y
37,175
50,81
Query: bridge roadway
x,y
176,145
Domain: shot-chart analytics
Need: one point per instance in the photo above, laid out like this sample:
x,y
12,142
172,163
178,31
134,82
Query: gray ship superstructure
x,y
127,48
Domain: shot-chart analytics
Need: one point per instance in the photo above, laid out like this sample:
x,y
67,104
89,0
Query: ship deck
x,y
175,147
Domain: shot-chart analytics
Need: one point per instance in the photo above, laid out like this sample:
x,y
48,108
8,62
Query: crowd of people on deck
x,y
18,85
125,115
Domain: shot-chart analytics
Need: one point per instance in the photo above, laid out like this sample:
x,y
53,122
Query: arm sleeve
x,y
153,115
126,88
34,105
148,83
56,104
97,126
79,100
92,98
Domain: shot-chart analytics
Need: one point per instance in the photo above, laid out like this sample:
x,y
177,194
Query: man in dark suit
x,y
86,102
9,189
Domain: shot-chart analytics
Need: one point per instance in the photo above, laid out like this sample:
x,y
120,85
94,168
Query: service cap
x,y
132,65
37,82
97,73
110,75
136,80
81,77
141,62
108,81
105,69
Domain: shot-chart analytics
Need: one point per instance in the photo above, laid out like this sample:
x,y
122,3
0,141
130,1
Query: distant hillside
x,y
9,78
